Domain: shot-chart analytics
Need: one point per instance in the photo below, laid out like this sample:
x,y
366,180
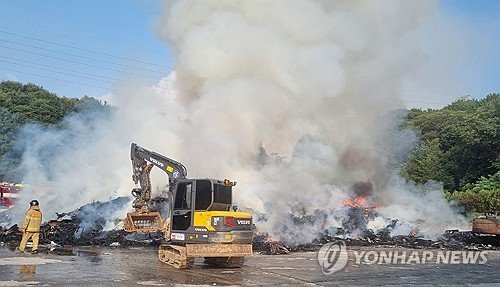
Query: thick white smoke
x,y
310,81
293,99
88,158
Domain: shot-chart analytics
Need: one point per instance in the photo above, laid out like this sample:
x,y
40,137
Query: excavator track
x,y
175,256
226,262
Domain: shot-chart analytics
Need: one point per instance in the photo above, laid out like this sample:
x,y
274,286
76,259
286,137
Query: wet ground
x,y
140,267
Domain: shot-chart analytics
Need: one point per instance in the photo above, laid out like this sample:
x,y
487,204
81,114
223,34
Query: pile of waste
x,y
88,226
356,223
84,227
450,240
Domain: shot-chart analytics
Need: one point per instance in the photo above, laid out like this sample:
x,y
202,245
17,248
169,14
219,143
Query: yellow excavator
x,y
200,219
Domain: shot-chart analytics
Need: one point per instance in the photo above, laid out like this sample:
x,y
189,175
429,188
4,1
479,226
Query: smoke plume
x,y
314,82
296,100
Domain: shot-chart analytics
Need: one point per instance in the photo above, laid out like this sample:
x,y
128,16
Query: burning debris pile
x,y
10,235
264,243
451,239
90,225
354,228
85,226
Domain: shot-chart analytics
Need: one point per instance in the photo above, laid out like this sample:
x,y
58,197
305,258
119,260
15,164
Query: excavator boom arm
x,y
142,162
141,156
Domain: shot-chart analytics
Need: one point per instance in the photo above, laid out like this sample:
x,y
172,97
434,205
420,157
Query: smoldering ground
x,y
296,100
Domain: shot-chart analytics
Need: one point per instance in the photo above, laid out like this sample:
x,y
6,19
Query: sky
x,y
482,17
78,48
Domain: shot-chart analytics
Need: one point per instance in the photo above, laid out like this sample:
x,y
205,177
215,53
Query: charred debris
x,y
356,223
86,226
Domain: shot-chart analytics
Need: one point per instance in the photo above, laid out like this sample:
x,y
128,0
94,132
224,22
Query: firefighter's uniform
x,y
31,227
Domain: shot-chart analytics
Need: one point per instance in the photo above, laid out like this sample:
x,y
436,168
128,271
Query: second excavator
x,y
199,219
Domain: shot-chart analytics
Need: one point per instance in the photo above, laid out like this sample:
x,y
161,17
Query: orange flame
x,y
355,202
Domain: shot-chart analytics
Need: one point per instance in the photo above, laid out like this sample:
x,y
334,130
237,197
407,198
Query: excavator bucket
x,y
143,222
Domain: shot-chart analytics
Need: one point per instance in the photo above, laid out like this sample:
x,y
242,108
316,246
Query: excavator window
x,y
222,194
182,221
203,197
183,196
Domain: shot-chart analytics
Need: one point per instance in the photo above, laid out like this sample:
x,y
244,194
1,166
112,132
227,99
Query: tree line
x,y
22,104
458,145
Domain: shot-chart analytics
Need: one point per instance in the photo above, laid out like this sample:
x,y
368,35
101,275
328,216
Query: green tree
x,y
468,133
426,163
22,104
33,103
482,196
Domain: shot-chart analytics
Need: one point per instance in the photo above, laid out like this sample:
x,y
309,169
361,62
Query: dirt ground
x,y
139,267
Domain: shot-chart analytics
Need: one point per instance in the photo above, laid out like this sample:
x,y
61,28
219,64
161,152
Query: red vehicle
x,y
8,194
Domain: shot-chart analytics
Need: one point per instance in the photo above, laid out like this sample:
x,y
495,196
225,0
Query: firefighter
x,y
31,226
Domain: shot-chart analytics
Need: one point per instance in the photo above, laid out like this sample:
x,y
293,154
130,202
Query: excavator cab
x,y
201,208
198,195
